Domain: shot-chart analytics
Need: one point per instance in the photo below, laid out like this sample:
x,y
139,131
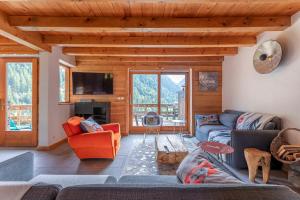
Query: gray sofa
x,y
241,139
159,188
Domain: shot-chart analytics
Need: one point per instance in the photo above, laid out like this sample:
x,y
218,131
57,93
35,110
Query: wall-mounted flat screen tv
x,y
92,83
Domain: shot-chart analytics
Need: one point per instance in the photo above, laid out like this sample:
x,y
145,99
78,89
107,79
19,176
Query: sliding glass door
x,y
172,99
163,93
18,102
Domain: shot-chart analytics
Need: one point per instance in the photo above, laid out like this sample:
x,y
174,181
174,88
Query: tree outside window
x,y
64,77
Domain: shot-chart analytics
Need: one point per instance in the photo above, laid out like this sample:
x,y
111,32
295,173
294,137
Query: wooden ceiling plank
x,y
31,40
158,52
150,24
5,41
107,41
16,49
150,59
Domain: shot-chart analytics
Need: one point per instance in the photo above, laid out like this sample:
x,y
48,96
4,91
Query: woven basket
x,y
280,140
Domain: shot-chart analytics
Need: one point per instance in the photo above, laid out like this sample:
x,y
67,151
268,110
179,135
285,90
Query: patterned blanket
x,y
222,136
253,121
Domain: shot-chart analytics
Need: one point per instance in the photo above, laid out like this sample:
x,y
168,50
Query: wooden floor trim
x,y
52,146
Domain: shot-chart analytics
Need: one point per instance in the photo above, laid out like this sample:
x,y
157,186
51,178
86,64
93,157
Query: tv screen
x,y
92,83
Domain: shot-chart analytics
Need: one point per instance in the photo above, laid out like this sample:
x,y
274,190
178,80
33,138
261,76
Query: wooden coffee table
x,y
170,149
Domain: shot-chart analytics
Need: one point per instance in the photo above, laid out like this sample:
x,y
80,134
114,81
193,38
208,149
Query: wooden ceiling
x,y
140,31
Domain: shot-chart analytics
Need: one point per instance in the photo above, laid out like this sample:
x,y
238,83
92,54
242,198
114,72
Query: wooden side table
x,y
255,158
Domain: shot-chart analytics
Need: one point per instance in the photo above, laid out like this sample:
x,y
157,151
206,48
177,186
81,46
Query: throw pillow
x,y
228,119
253,121
196,169
90,125
211,119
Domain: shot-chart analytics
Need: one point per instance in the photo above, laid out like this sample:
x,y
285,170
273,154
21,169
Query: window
x,y
64,80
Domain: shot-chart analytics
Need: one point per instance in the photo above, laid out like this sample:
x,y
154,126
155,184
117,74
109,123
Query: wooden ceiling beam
x,y
16,49
163,1
150,24
157,52
149,59
146,64
108,41
31,40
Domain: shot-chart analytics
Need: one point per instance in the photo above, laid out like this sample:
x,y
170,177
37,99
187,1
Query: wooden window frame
x,y
67,84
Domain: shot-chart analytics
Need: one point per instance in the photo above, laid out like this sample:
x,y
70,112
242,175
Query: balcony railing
x,y
169,112
19,117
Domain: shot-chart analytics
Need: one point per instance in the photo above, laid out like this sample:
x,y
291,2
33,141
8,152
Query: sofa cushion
x,y
202,132
71,180
74,125
152,180
178,192
234,112
228,119
42,191
211,119
196,169
208,128
90,125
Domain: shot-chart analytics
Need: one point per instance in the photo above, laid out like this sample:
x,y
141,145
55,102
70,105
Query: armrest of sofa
x,y
115,127
241,139
96,139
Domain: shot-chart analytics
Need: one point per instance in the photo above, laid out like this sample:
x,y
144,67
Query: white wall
x,y
278,92
51,114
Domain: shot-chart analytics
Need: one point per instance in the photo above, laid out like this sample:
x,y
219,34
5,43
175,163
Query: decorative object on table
x,y
197,169
152,121
170,149
208,81
216,148
283,150
255,158
267,57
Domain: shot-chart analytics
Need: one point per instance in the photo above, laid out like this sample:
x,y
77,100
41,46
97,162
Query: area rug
x,y
142,159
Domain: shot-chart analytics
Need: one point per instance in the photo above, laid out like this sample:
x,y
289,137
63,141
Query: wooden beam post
x,y
31,40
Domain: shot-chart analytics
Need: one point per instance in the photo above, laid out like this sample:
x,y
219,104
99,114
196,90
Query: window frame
x,y
67,84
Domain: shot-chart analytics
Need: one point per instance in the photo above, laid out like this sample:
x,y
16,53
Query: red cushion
x,y
74,125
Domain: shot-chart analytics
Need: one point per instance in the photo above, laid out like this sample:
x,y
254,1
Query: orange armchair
x,y
102,144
